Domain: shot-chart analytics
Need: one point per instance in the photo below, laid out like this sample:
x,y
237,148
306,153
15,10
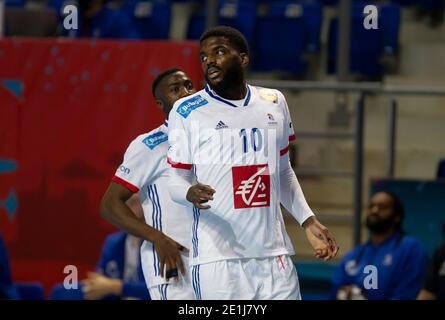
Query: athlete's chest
x,y
237,129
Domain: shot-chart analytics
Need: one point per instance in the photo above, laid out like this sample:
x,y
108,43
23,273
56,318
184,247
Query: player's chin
x,y
215,82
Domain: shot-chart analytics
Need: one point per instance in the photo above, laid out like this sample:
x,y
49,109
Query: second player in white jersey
x,y
167,226
145,170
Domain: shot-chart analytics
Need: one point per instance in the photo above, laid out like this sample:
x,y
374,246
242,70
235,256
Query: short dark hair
x,y
236,38
161,76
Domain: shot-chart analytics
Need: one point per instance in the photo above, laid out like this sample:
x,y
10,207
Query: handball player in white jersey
x,y
167,226
233,138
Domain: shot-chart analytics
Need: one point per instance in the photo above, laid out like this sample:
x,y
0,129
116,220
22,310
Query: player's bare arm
x,y
320,239
115,210
199,194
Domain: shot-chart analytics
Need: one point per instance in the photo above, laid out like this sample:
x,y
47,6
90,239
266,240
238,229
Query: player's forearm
x,y
179,184
115,211
291,194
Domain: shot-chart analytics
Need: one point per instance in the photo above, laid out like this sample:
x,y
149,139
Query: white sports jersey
x,y
145,170
235,147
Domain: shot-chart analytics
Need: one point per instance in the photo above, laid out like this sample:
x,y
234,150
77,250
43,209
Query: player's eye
x,y
203,58
220,52
175,89
189,86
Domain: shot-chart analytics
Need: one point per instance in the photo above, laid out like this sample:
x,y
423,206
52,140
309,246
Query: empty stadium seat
x,y
280,39
313,19
367,46
390,24
151,18
15,3
58,292
30,291
239,15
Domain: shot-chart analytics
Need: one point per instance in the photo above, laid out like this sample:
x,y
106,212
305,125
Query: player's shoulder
x,y
150,140
184,107
273,96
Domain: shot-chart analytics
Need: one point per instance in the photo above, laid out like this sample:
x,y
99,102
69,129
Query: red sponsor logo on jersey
x,y
251,186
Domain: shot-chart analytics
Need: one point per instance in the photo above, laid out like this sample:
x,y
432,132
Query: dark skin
x,y
224,67
113,205
381,207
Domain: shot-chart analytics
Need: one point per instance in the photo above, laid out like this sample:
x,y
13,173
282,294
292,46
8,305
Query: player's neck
x,y
234,92
378,238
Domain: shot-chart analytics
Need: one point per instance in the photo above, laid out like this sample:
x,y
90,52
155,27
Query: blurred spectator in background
x,y
119,273
103,21
434,286
400,260
7,289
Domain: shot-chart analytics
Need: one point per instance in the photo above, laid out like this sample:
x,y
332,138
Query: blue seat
x,y
313,18
15,3
390,23
280,39
58,292
239,15
151,18
367,46
30,291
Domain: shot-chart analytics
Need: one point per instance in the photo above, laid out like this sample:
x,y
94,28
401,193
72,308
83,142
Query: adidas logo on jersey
x,y
221,125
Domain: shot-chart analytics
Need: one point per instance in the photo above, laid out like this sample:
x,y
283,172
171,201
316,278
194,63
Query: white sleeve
x,y
179,157
288,132
179,152
138,167
291,194
179,183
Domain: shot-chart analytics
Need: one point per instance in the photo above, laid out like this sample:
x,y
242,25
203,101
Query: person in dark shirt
x,y
398,261
434,286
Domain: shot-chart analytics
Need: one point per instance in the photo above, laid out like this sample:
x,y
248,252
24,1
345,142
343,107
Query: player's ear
x,y
160,104
244,59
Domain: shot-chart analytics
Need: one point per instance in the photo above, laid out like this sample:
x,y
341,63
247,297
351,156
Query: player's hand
x,y
98,286
199,194
320,239
170,258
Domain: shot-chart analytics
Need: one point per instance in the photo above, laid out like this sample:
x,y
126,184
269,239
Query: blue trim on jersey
x,y
162,288
195,282
196,214
159,206
154,226
214,96
166,123
157,222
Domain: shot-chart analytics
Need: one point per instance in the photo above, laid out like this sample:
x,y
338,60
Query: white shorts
x,y
272,278
180,290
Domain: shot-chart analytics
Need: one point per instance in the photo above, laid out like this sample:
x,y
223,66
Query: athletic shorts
x,y
271,278
174,290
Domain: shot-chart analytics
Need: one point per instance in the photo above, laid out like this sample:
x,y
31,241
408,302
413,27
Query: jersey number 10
x,y
256,139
